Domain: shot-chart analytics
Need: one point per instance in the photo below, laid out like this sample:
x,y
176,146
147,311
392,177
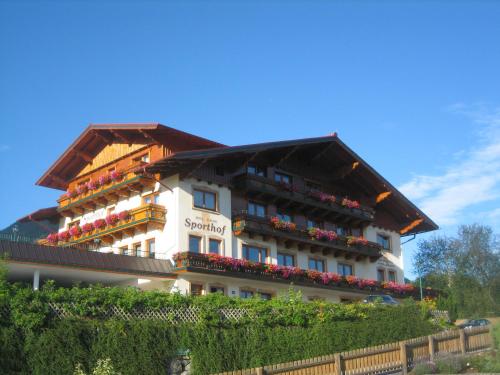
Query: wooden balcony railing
x,y
302,239
291,197
104,195
143,218
241,268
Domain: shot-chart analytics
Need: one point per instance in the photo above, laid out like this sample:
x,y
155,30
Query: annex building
x,y
157,208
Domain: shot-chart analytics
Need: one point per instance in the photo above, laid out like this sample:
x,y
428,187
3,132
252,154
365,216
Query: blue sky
x,y
413,87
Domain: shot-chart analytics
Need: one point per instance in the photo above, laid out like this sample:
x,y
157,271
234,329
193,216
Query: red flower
x,y
63,236
75,231
87,227
124,215
99,224
112,219
52,238
116,176
352,280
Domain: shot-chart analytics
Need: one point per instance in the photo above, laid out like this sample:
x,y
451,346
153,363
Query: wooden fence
x,y
396,357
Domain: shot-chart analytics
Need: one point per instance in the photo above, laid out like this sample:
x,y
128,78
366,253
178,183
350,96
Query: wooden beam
x,y
412,225
58,179
287,155
84,156
149,136
382,196
108,140
345,170
124,138
321,153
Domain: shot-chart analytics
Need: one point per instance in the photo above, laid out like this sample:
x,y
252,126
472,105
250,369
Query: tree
x,y
465,267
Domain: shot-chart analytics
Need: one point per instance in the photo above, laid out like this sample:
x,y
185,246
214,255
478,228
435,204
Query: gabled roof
x,y
97,136
330,154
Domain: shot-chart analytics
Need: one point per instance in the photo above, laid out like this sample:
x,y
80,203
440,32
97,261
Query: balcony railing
x,y
241,268
301,237
104,195
301,199
143,218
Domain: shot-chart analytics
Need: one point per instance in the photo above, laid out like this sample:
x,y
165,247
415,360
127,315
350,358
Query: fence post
x,y
431,348
463,347
259,371
404,357
492,337
338,364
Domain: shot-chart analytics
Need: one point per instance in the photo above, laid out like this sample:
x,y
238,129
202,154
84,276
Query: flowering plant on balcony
x,y
99,224
75,231
63,236
92,185
287,226
314,275
112,219
81,189
350,203
87,228
352,280
323,197
323,235
398,288
70,194
124,215
352,240
367,283
116,176
290,271
271,268
104,179
52,238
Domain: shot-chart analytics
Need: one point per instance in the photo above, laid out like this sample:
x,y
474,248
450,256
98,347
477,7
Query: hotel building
x,y
155,207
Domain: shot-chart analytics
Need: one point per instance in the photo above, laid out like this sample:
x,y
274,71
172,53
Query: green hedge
x,y
285,329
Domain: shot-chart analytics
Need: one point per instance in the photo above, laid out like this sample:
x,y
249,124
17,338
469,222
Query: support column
x,y
36,280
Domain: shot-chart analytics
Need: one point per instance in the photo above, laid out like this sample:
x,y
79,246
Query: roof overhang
x,y
98,136
329,154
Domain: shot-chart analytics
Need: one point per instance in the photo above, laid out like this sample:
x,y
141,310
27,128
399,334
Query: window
x,y
384,241
124,250
144,158
195,244
282,178
380,275
317,264
355,232
284,216
341,231
256,209
254,253
196,289
256,170
151,246
286,260
204,199
344,269
214,246
151,198
265,296
138,249
313,224
217,289
246,294
392,276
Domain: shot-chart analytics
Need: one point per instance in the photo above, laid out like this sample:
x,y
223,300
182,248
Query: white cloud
x,y
473,177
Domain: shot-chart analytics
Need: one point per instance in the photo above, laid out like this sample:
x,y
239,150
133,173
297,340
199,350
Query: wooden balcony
x,y
141,219
263,188
223,266
104,195
300,237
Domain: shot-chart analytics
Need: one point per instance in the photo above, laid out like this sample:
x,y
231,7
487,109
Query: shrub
x,y
424,368
451,364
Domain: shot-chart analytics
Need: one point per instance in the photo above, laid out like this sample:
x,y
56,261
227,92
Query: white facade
x,y
183,220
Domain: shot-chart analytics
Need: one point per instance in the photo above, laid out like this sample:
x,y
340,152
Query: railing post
x,y
463,347
431,348
404,358
338,364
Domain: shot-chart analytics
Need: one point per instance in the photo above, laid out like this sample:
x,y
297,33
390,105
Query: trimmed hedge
x,y
286,329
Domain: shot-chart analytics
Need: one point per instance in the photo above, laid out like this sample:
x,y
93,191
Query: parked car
x,y
475,323
381,298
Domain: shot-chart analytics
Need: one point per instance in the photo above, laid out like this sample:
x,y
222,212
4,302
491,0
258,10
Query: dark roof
x,y
49,213
77,258
96,136
364,175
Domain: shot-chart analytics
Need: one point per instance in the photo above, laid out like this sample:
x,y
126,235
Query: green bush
x,y
423,368
451,364
281,330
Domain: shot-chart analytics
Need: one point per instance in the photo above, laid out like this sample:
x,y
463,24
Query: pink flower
x,y
123,215
81,189
75,231
335,278
87,227
99,224
116,175
320,234
52,238
92,185
104,179
112,219
63,236
352,280
286,226
70,194
350,203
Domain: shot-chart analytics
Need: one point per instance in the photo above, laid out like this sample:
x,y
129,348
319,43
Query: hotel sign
x,y
211,226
